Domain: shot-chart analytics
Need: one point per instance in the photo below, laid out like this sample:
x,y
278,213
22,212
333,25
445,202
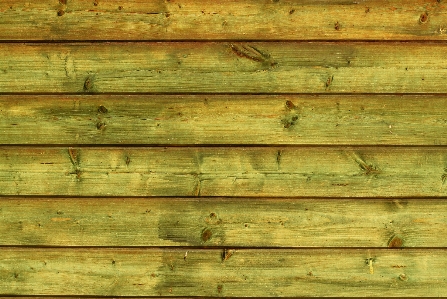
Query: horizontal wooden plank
x,y
224,171
233,222
229,119
228,19
235,273
227,67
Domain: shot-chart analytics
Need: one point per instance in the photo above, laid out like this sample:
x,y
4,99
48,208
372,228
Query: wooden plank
x,y
225,171
290,67
243,273
228,19
229,119
233,222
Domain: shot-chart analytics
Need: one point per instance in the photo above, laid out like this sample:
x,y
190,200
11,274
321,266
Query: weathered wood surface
x,y
228,119
217,20
227,67
236,222
215,171
204,272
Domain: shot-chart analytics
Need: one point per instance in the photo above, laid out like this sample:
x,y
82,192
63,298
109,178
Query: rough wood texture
x,y
230,222
289,67
301,171
253,148
187,120
228,19
195,272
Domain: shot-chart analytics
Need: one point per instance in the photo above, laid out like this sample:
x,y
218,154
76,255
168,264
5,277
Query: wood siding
x,y
267,148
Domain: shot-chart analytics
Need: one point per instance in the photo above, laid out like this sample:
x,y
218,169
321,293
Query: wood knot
x,y
290,119
227,253
100,125
367,168
206,234
102,109
290,105
74,156
337,26
254,54
395,242
329,81
403,277
213,219
60,12
423,18
89,84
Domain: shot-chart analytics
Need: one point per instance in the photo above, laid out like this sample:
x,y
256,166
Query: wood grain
x,y
226,119
228,19
224,171
260,273
233,222
227,67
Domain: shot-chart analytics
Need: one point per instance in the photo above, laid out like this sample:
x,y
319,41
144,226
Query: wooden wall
x,y
223,148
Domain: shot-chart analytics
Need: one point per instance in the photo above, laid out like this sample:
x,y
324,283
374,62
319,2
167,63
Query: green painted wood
x,y
227,67
234,222
235,273
224,171
211,119
228,19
